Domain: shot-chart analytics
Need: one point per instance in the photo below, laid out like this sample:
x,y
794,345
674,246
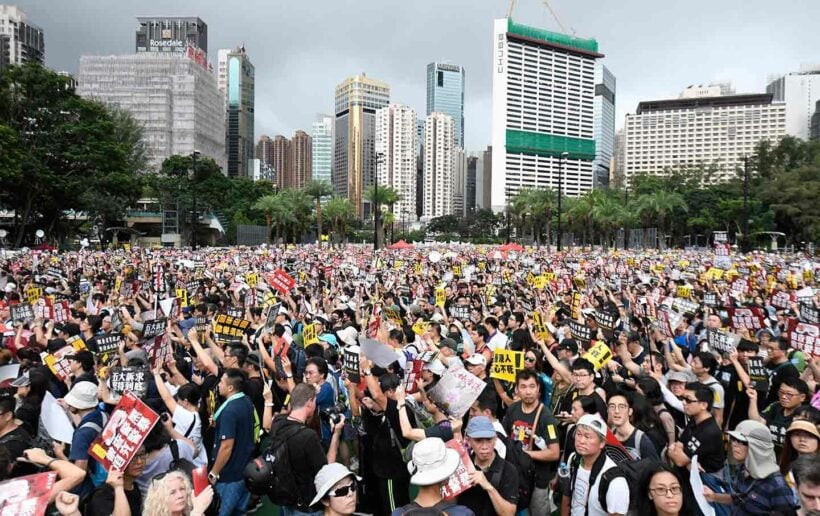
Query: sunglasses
x,y
343,491
529,359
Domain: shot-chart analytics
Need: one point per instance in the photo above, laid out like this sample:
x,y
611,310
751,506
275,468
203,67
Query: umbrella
x,y
401,244
511,246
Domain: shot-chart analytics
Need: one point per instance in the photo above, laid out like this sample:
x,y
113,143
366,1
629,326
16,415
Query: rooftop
x,y
555,39
652,106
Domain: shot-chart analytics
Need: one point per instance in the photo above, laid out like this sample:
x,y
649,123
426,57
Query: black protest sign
x,y
685,306
230,328
808,314
351,363
154,327
108,346
201,323
710,299
273,312
133,379
460,312
722,342
758,374
606,321
22,312
580,332
235,311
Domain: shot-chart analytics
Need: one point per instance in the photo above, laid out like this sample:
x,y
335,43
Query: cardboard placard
x,y
804,336
57,361
539,328
456,391
134,379
154,328
309,335
459,481
580,332
758,374
749,318
440,297
281,281
21,312
721,342
351,363
226,326
182,296
125,432
506,363
108,346
26,496
598,355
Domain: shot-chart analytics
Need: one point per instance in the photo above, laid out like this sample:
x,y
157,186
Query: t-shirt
x,y
519,427
159,462
778,422
453,510
719,400
305,453
778,373
84,435
503,476
190,426
235,422
585,498
640,445
706,441
102,500
16,442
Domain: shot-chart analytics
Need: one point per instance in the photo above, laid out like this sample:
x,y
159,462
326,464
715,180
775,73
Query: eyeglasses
x,y
529,359
787,395
665,491
619,407
689,400
577,374
343,491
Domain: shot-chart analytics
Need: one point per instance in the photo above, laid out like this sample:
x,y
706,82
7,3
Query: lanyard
x,y
234,397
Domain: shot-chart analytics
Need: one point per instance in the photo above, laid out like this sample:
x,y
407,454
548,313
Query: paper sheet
x,y
55,420
697,488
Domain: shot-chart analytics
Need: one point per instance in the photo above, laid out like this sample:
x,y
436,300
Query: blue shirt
x,y
80,443
235,422
325,399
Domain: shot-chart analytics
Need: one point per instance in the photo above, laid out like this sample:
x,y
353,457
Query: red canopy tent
x,y
511,246
401,244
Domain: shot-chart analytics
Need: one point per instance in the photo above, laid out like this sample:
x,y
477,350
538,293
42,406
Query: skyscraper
x,y
281,160
354,158
486,179
445,94
235,78
459,181
800,91
301,160
439,134
171,34
543,95
396,148
604,124
264,149
322,134
20,41
174,98
470,187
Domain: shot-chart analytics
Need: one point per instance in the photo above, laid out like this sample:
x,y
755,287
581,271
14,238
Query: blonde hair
x,y
159,492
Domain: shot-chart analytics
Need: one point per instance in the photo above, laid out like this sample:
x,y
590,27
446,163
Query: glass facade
x,y
603,112
445,94
322,133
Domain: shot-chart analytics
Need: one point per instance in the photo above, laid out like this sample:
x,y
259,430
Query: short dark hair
x,y
782,343
488,400
320,364
188,392
240,352
588,404
389,381
397,335
702,393
492,321
482,332
525,374
797,384
301,395
806,468
582,364
706,359
237,378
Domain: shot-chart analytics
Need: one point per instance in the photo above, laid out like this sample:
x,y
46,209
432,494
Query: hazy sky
x,y
303,48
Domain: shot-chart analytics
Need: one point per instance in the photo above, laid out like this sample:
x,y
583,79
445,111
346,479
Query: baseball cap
x,y
594,422
69,329
476,359
569,345
678,376
480,427
448,343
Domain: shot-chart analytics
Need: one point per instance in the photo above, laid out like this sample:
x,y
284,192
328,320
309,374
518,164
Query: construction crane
x,y
552,12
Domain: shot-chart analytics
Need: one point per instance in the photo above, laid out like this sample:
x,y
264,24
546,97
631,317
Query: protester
x,y
661,493
806,473
119,492
335,490
702,437
495,481
172,495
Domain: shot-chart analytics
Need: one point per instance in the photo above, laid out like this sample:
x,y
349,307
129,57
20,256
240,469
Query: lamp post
x,y
379,161
745,243
560,192
195,216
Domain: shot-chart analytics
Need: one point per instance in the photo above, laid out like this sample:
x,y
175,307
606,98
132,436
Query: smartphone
x,y
200,479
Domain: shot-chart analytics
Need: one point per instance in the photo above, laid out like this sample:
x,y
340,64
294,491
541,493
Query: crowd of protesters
x,y
447,379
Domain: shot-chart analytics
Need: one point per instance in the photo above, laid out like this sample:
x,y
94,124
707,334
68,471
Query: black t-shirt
x,y
102,500
504,477
778,373
706,441
256,388
519,426
566,402
387,459
17,441
306,456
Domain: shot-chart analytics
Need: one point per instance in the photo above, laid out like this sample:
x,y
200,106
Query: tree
x,y
317,190
268,205
340,213
381,196
659,205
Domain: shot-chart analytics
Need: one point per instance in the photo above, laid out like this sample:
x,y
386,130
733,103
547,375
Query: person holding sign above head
x,y
779,366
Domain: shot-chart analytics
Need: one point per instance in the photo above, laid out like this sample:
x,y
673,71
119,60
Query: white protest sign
x,y
55,420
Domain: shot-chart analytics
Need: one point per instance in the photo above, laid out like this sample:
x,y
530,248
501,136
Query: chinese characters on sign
x,y
127,428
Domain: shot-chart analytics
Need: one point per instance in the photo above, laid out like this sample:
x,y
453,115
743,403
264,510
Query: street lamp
x,y
560,191
379,161
194,222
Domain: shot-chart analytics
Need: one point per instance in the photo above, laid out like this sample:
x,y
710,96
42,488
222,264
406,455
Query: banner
x,y
750,318
227,326
125,432
57,361
758,374
459,481
721,342
506,363
134,379
456,391
154,328
598,355
804,336
26,496
281,281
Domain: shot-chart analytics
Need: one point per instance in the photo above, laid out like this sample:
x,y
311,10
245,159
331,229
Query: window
x,y
440,79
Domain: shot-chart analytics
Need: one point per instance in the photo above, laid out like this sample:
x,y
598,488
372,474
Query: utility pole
x,y
745,243
195,216
560,192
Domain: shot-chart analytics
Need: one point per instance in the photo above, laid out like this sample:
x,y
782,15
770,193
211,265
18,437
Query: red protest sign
x,y
413,373
281,281
459,481
128,427
57,311
804,336
26,496
58,361
750,318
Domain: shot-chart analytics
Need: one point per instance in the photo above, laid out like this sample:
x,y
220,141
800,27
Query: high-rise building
x,y
715,132
301,160
604,125
264,149
800,91
543,96
396,155
420,121
174,98
20,41
171,34
235,79
445,94
486,179
281,160
814,133
322,134
470,188
439,134
260,170
354,158
459,181
618,160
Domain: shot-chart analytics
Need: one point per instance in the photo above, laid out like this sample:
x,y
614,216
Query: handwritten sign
x,y
281,281
456,391
309,335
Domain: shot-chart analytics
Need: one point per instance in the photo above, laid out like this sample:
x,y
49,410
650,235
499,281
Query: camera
x,y
332,415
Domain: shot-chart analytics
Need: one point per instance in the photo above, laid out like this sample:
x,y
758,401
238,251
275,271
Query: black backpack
x,y
439,509
523,464
283,490
630,470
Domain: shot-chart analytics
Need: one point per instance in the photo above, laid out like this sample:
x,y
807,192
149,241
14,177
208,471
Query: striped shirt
x,y
751,496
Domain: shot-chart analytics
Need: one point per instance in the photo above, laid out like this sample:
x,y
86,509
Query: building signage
x,y
175,43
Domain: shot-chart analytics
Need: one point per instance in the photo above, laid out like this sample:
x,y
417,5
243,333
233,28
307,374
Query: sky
x,y
302,49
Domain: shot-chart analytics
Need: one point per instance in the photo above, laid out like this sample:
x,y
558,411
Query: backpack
x,y
414,509
523,464
283,490
632,471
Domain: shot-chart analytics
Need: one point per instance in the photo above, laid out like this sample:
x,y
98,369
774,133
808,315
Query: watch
x,y
366,373
289,376
212,477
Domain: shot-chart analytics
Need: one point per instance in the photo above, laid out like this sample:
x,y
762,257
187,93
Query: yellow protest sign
x,y
683,264
482,266
540,282
182,296
252,279
417,268
392,315
530,279
506,363
580,281
808,275
269,300
539,328
309,335
457,270
598,355
488,293
117,285
716,273
576,305
550,276
33,294
398,264
303,276
506,276
791,280
630,262
420,328
658,268
683,291
440,297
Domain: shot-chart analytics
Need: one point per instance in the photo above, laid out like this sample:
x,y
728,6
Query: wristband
x,y
269,404
400,406
48,465
367,373
288,376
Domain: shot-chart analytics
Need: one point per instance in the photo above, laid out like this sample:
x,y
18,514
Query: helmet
x,y
258,475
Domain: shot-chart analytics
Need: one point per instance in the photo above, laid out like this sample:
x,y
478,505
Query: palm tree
x,y
659,204
542,202
580,213
339,213
607,216
387,196
298,203
519,209
317,190
267,205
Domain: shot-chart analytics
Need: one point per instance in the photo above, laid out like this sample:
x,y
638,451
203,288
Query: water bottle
x,y
563,478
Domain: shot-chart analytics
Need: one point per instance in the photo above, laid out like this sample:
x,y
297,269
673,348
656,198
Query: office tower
x,y
174,98
235,79
354,159
700,128
604,125
420,121
487,178
543,96
171,34
264,149
814,133
445,94
322,134
439,134
301,160
470,187
459,180
260,170
20,41
618,160
396,155
800,91
281,160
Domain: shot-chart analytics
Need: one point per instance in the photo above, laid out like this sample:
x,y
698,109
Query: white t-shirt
x,y
498,341
182,422
617,497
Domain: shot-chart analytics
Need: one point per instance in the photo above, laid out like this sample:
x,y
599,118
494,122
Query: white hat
x,y
10,287
436,367
82,396
477,359
348,335
327,478
594,422
432,462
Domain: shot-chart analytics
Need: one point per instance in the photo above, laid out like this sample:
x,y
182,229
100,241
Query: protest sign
x,y
749,318
669,321
26,496
227,326
684,306
125,432
607,322
440,297
107,347
683,291
380,354
808,314
9,372
580,332
273,312
456,391
506,363
235,311
154,327
392,315
157,282
351,363
281,281
170,308
804,336
251,297
252,279
21,312
309,335
182,296
538,326
459,481
126,289
460,312
598,355
758,374
55,420
58,361
782,300
159,350
33,294
420,327
710,299
133,379
57,311
411,374
575,306
721,342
